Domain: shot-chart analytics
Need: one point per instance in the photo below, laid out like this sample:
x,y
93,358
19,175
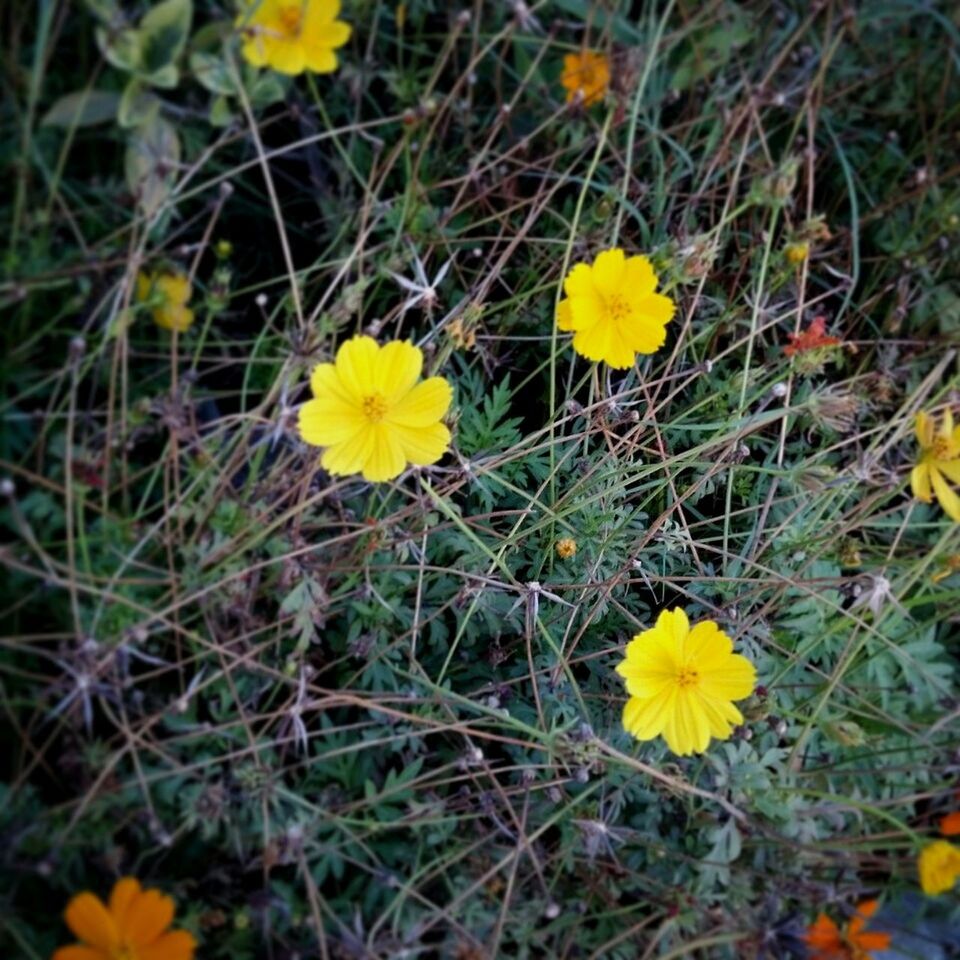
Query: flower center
x,y
941,448
291,19
618,308
374,407
688,677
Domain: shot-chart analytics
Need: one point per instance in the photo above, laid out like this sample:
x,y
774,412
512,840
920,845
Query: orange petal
x,y
124,892
176,945
90,922
950,824
147,917
78,952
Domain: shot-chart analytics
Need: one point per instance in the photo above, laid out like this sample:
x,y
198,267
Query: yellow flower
x,y
939,462
134,926
291,36
169,294
372,415
566,548
796,253
682,682
612,309
586,73
939,867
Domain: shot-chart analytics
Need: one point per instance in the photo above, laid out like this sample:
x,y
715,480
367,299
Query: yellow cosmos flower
x,y
133,926
291,36
682,682
612,309
939,867
170,293
586,73
939,462
372,415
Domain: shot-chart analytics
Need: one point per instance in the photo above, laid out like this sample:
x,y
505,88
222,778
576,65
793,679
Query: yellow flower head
x,y
566,548
586,73
796,253
372,415
133,926
939,867
612,309
291,36
682,682
939,462
169,294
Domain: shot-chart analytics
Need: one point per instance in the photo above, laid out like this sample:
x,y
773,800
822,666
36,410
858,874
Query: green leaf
x,y
163,35
121,48
137,106
213,74
267,89
153,154
84,108
106,11
220,113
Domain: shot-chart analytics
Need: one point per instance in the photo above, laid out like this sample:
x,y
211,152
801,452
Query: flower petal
x,y
579,282
609,270
356,364
320,59
147,917
398,367
675,623
687,731
948,498
587,312
328,420
424,405
924,427
732,679
564,315
125,891
285,56
639,277
422,445
706,643
920,482
347,458
176,945
77,951
950,469
646,717
385,461
90,922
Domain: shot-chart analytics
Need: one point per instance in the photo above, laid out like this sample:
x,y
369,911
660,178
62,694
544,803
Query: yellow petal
x,y
924,427
946,425
423,445
424,405
286,56
254,50
356,364
939,867
920,482
707,644
325,33
721,716
733,679
147,917
947,497
173,318
687,730
645,718
176,945
655,309
564,316
347,458
320,59
125,891
397,369
639,277
603,342
950,469
586,312
90,922
609,270
674,623
579,282
385,459
329,420
175,288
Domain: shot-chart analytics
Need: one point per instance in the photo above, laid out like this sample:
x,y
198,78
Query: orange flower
x,y
586,73
950,824
133,927
810,339
827,942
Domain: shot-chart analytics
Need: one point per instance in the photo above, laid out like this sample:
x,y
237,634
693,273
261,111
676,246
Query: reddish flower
x,y
827,942
950,824
810,339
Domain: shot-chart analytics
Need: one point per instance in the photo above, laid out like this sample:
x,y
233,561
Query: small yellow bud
x,y
223,249
796,253
566,548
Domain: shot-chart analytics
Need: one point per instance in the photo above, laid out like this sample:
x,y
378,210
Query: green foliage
x,y
390,711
